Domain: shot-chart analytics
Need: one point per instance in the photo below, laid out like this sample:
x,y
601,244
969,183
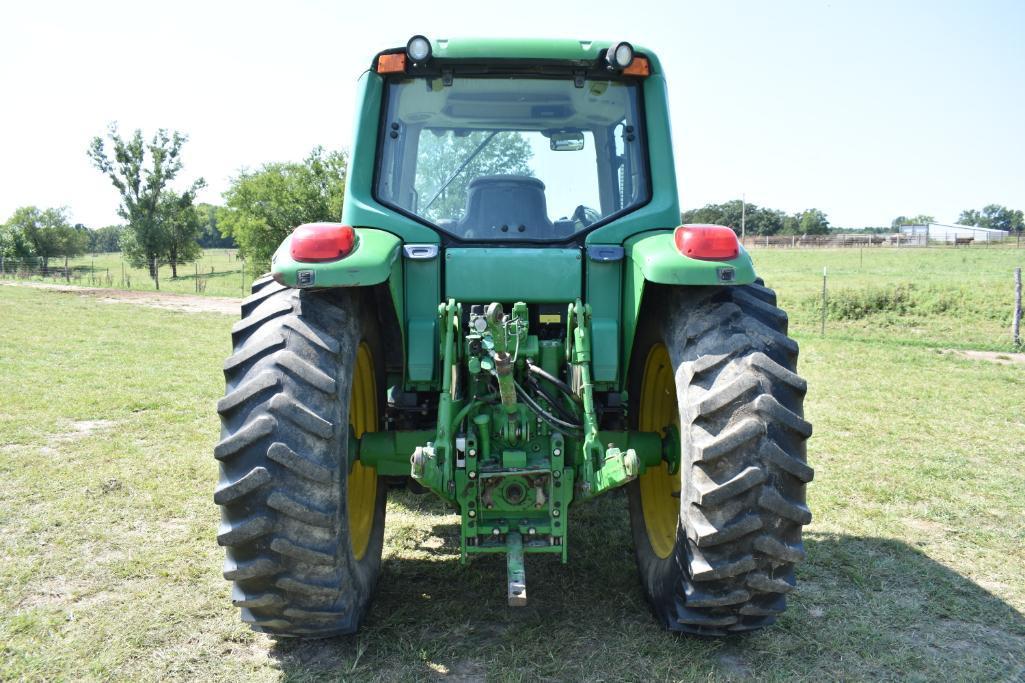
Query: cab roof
x,y
556,49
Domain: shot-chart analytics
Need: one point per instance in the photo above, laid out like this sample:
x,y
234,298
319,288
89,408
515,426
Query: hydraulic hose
x,y
487,398
562,410
553,422
541,372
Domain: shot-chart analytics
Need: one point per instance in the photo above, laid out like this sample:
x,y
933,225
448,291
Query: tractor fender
x,y
658,260
653,259
371,262
407,290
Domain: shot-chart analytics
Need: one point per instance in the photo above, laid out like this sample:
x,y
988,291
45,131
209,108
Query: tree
x,y
814,222
971,217
759,220
42,233
709,214
180,220
754,219
440,155
7,243
792,224
106,239
71,241
210,236
920,219
141,188
13,243
41,230
995,217
264,206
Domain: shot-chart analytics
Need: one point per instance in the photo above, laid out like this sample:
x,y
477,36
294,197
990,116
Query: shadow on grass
x,y
866,607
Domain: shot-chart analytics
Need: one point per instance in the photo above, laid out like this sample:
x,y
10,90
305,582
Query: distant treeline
x,y
108,239
262,206
757,220
35,233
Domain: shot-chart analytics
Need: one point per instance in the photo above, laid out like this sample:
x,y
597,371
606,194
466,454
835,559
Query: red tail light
x,y
707,242
322,242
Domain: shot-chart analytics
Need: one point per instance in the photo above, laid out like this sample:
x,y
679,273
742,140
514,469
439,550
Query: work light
x,y
418,49
620,55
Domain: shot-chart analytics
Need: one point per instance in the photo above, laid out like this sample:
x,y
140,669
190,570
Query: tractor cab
x,y
482,153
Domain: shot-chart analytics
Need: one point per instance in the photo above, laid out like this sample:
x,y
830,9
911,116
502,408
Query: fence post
x,y
1016,324
243,278
197,277
824,301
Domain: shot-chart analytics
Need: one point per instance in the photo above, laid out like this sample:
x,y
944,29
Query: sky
x,y
865,109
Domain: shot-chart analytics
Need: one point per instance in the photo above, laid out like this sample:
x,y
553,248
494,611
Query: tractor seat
x,y
499,205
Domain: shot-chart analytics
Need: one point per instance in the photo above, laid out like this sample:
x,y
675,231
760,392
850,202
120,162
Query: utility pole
x,y
743,216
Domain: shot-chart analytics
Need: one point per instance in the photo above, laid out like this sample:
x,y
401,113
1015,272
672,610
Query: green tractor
x,y
509,317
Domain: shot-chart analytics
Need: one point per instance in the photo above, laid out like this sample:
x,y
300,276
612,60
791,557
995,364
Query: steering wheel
x,y
585,215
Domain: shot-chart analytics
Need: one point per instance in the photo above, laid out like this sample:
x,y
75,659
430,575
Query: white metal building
x,y
941,232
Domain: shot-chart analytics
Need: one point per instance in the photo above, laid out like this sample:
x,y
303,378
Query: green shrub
x,y
903,300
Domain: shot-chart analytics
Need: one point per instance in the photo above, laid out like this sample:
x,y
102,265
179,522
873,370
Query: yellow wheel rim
x,y
658,410
362,481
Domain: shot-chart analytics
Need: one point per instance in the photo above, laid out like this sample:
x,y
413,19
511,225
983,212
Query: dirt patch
x,y
83,428
734,666
80,429
928,526
466,670
992,356
184,303
54,591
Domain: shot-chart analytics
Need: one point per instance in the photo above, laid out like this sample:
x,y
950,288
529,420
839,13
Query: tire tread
x,y
745,471
281,455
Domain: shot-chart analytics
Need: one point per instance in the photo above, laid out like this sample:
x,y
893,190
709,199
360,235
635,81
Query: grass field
x,y
915,556
928,297
218,271
940,296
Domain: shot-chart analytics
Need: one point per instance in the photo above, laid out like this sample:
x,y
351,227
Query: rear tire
x,y
716,363
302,529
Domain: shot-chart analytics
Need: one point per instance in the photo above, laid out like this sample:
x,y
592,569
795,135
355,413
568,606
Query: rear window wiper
x,y
473,155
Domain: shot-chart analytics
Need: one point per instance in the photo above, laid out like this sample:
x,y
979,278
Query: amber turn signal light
x,y
640,66
391,63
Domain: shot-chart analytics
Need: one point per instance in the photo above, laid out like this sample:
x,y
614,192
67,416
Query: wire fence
x,y
218,271
852,240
